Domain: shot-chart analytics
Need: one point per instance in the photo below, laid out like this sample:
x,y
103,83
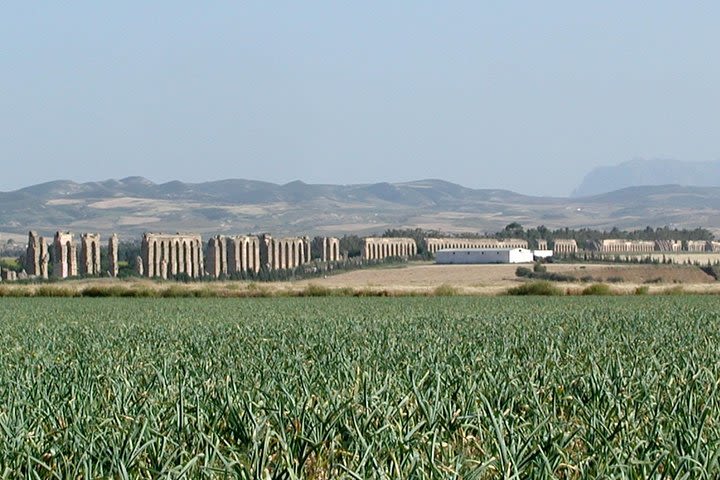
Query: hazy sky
x,y
527,96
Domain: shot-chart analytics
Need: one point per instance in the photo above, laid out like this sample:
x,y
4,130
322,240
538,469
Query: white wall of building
x,y
484,255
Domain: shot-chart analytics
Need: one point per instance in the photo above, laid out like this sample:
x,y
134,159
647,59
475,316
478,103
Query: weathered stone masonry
x,y
283,253
113,255
37,256
169,255
243,254
378,248
90,254
433,245
329,248
564,246
233,255
64,255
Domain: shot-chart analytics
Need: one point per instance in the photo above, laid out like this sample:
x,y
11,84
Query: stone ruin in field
x,y
167,256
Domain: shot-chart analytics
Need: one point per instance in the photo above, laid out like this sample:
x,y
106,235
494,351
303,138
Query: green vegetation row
x,y
254,290
471,388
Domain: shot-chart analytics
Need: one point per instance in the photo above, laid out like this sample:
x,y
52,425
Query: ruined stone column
x,y
245,259
232,250
90,254
72,261
334,249
308,249
275,255
187,258
44,271
196,253
164,269
279,253
113,255
216,257
139,266
65,255
173,257
32,254
256,255
201,258
148,261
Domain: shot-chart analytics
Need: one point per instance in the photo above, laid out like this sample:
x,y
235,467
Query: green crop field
x,y
360,387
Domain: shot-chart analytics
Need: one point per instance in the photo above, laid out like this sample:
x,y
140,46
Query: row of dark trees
x,y
582,236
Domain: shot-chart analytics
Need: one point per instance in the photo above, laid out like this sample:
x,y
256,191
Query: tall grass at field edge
x,y
542,288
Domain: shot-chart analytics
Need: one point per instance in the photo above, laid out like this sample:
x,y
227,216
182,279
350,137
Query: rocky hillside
x,y
133,205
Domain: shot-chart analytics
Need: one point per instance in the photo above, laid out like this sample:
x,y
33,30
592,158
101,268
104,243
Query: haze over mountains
x,y
640,172
133,205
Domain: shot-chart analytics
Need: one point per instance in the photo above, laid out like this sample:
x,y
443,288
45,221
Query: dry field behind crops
x,y
494,279
426,278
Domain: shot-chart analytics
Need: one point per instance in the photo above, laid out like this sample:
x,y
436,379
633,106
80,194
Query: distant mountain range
x,y
649,172
133,205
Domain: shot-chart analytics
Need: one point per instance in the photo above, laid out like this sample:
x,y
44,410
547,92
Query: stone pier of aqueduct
x,y
64,255
433,245
166,256
232,255
113,247
284,253
90,254
378,248
565,246
37,256
329,248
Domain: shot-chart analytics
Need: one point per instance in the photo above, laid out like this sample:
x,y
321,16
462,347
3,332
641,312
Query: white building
x,y
484,255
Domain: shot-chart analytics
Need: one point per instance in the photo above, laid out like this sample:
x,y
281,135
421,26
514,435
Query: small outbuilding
x,y
483,255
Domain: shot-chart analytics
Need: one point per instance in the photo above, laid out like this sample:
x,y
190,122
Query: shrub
x,y
523,272
642,290
539,268
98,291
597,289
313,290
678,290
445,290
536,288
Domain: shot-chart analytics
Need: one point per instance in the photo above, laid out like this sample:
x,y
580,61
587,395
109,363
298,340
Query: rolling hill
x,y
133,205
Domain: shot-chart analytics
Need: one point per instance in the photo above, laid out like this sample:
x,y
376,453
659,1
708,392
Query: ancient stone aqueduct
x,y
168,256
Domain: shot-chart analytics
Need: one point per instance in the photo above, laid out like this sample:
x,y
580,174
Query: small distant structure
x,y
565,246
696,246
379,248
542,254
470,256
434,245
